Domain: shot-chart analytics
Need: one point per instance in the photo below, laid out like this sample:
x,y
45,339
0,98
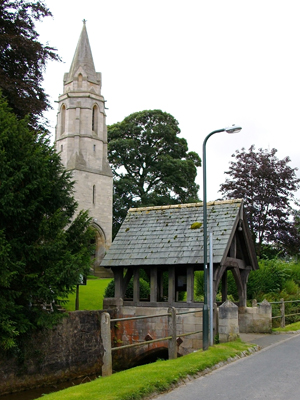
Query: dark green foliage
x,y
144,289
275,279
151,164
294,267
23,58
267,185
268,279
199,284
42,252
231,287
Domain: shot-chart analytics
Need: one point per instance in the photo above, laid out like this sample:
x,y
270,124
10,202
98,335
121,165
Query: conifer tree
x,y
43,248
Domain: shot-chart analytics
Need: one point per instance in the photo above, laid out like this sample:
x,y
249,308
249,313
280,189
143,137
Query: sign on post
x,y
82,281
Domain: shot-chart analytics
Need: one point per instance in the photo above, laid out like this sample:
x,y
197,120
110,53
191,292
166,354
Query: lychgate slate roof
x,y
173,235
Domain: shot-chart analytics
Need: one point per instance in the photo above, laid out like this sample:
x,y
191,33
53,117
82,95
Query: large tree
x,y
267,185
23,58
151,164
43,250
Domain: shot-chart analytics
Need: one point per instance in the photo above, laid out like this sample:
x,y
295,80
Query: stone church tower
x,y
81,140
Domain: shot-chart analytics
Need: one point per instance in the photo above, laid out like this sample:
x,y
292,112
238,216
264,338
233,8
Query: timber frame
x,y
168,241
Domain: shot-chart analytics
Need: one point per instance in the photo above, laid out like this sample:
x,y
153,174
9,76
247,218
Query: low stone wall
x,y
256,319
72,349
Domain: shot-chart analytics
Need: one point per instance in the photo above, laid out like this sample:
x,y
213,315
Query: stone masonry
x,y
228,322
81,140
256,319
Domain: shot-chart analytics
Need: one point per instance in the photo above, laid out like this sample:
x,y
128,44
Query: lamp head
x,y
233,129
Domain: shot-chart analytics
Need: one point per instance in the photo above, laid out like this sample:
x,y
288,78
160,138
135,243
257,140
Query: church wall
x,y
81,140
102,207
92,151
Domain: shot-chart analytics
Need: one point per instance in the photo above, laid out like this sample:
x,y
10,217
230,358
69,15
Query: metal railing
x,y
171,338
281,310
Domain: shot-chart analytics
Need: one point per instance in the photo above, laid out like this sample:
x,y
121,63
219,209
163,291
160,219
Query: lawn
x,y
288,328
139,382
90,295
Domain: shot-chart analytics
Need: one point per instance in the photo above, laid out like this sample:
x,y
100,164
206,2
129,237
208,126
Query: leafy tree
x,y
151,164
23,58
267,186
43,251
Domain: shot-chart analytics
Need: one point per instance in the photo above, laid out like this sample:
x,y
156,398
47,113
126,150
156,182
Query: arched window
x,y
63,119
79,81
95,119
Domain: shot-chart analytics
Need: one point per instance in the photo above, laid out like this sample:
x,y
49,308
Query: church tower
x,y
81,140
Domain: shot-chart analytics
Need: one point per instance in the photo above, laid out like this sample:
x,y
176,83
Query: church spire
x,y
83,59
81,140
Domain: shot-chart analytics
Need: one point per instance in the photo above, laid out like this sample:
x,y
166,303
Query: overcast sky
x,y
208,63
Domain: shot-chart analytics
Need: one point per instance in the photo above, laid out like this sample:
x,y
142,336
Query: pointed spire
x,y
83,57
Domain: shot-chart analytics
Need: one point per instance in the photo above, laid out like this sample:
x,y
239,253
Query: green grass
x,y
292,327
138,382
90,295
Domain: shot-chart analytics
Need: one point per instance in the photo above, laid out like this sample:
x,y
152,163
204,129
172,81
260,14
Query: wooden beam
x,y
235,263
153,284
127,278
232,250
118,275
241,286
224,286
136,285
190,284
171,285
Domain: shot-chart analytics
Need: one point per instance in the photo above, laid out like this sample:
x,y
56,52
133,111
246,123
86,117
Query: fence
x,y
171,338
280,307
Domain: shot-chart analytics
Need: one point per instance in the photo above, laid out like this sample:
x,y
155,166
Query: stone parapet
x,y
256,319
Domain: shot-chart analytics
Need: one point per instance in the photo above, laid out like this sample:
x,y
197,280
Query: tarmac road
x,y
273,373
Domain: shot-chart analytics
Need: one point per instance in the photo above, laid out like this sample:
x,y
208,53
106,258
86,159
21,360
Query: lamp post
x,y
230,129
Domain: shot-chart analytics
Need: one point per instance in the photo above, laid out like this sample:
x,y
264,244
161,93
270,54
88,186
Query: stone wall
x,y
256,319
228,322
72,349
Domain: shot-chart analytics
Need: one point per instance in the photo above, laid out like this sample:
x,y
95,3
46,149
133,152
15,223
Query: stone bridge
x,y
144,326
131,335
76,347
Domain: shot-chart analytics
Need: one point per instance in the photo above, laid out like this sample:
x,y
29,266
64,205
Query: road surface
x,y
270,374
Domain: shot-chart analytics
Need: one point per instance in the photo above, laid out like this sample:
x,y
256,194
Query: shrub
x,y
269,278
232,293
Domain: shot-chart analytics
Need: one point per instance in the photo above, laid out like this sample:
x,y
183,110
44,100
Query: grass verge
x,y
288,328
138,382
90,295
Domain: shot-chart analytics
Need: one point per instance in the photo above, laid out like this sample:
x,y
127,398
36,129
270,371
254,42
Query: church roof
x,y
83,58
173,235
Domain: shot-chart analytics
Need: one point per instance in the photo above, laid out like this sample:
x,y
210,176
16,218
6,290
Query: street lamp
x,y
230,129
